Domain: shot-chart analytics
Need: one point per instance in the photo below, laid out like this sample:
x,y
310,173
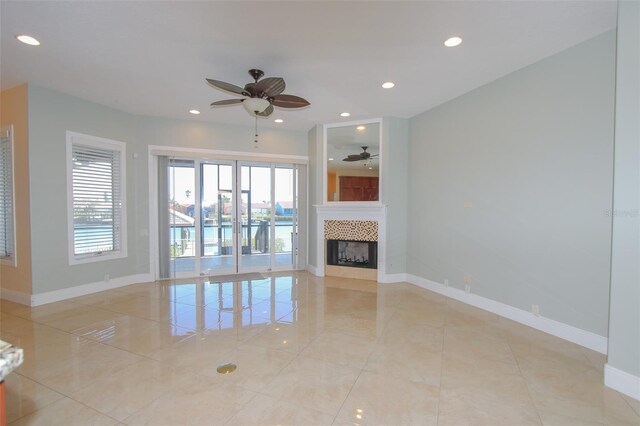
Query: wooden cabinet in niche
x,y
358,188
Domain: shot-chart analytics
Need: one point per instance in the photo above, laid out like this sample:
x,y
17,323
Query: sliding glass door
x,y
226,217
269,216
217,218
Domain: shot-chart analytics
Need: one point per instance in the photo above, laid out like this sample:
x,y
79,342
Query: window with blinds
x,y
7,231
96,191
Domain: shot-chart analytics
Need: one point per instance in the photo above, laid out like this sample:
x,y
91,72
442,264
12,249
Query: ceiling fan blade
x,y
289,101
271,86
227,102
374,155
267,112
351,159
227,87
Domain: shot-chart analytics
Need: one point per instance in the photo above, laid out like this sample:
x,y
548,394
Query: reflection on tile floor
x,y
309,351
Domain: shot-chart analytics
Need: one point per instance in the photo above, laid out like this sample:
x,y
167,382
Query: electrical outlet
x,y
467,288
446,282
106,278
535,310
468,278
468,204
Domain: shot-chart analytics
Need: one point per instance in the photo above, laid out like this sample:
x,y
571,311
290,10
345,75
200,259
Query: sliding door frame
x,y
217,155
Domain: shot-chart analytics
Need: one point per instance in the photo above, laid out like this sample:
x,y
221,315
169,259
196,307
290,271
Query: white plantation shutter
x,y
96,191
6,196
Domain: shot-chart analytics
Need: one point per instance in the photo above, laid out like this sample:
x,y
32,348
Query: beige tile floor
x,y
309,351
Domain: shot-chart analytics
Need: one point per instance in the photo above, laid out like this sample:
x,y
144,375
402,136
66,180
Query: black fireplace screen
x,y
358,254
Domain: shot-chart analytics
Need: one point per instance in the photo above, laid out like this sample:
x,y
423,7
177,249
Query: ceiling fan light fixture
x,y
258,97
255,105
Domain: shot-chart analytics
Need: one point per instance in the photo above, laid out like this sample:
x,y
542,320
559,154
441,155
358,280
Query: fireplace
x,y
356,254
363,257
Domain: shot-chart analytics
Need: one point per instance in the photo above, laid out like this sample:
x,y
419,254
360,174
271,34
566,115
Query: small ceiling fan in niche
x,y
364,155
259,97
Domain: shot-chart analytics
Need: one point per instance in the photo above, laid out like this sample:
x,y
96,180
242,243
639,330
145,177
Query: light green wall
x,y
624,319
194,134
51,114
395,175
533,153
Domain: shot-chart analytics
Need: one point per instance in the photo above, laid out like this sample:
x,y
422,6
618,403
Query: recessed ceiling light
x,y
28,40
453,41
344,114
194,111
279,120
370,168
331,159
360,128
388,84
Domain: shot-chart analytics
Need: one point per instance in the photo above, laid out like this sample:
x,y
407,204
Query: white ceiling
x,y
152,58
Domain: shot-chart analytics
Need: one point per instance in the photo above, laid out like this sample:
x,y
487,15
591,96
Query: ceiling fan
x,y
364,155
259,97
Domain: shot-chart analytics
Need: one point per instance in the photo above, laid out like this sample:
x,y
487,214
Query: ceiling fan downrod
x,y
256,74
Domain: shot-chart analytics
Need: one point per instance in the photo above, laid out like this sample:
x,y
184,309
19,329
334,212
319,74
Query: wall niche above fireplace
x,y
352,159
356,254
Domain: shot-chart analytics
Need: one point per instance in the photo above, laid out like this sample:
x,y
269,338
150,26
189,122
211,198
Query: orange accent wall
x,y
331,185
14,111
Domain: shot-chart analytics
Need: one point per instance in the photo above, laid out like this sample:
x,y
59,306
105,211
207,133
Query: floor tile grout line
x,y
297,356
526,382
39,408
444,330
348,394
624,397
62,394
362,369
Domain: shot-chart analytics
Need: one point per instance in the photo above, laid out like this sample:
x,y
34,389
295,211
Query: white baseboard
x,y
564,331
15,296
622,381
314,270
392,278
82,290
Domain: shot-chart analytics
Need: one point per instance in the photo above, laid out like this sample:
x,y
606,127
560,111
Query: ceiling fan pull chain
x,y
256,139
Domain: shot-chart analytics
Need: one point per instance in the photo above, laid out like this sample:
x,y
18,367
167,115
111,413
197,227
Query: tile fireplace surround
x,y
350,222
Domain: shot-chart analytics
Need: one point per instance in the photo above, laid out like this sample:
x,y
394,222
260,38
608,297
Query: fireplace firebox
x,y
357,254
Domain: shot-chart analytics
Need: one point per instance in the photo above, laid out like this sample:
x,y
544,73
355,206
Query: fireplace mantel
x,y
350,211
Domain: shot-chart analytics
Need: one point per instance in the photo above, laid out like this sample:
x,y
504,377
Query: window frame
x,y
11,260
79,139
